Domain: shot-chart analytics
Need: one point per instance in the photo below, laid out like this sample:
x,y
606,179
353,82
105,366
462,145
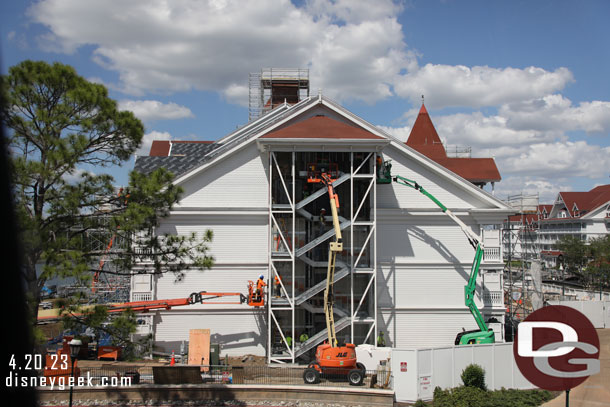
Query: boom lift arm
x,y
202,297
483,334
334,248
331,357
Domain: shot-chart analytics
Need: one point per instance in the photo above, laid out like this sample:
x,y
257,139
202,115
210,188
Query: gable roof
x,y
285,116
584,202
425,139
322,127
176,156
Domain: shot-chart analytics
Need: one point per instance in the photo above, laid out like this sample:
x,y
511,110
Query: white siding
x,y
219,279
420,239
398,196
238,239
240,181
238,332
421,329
424,287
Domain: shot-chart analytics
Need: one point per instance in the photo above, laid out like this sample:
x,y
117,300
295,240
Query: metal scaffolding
x,y
298,234
272,87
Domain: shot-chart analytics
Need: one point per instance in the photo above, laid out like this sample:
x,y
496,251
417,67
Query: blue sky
x,y
522,81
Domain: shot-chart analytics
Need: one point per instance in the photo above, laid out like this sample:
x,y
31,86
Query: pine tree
x,y
59,124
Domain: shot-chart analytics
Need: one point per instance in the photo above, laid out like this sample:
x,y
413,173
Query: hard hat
x,y
322,210
261,276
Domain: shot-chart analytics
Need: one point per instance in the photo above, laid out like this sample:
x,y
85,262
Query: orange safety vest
x,y
260,283
277,280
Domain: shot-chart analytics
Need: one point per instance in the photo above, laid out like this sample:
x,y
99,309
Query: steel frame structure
x,y
286,237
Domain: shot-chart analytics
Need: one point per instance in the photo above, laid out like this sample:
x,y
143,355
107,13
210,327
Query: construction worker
x,y
322,219
289,341
380,340
260,285
304,337
278,286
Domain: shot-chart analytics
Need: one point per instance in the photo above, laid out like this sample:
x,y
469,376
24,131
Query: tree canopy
x,y
63,132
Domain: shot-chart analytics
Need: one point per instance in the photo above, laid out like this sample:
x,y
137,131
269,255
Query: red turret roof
x,y
425,139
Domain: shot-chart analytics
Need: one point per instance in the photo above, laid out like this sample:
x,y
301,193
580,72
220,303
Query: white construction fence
x,y
416,372
598,312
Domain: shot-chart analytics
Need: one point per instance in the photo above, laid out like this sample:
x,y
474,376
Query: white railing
x,y
145,296
493,298
492,254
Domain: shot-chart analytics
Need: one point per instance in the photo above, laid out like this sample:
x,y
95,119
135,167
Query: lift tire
x,y
355,377
361,367
311,376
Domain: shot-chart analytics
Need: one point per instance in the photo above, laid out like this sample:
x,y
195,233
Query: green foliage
x,y
474,376
60,125
574,252
591,262
420,403
475,397
598,268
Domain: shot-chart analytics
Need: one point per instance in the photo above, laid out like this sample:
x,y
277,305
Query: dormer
x,y
575,210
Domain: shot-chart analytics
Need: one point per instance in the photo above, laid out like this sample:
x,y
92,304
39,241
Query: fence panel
x,y
594,310
426,369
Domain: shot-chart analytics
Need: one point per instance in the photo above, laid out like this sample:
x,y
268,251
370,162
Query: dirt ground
x,y
595,391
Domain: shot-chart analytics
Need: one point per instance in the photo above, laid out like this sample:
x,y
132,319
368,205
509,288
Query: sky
x,y
525,82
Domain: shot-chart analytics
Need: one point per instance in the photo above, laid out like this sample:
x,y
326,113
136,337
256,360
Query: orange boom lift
x,y
332,358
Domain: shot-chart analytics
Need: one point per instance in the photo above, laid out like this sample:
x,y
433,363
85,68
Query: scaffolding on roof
x,y
272,87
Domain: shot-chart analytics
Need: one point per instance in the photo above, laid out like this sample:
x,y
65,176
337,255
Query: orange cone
x,y
173,361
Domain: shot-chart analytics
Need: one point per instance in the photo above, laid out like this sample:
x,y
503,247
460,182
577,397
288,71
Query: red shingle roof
x,y
322,127
425,139
586,201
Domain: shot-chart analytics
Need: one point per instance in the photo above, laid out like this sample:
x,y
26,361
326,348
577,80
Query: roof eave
x,y
296,144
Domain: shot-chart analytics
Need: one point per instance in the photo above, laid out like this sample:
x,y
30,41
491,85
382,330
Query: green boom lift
x,y
483,334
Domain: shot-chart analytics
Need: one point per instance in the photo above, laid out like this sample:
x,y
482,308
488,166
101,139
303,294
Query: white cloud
x,y
352,11
458,85
75,176
560,159
401,133
354,50
557,113
150,110
545,189
148,139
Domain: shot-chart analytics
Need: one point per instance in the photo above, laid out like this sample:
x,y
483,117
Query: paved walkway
x,y
595,391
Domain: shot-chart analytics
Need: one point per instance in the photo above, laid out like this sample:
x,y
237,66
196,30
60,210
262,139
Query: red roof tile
x,y
160,148
322,127
425,139
586,201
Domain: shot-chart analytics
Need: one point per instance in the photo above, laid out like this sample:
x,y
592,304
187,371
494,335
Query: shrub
x,y
475,397
474,376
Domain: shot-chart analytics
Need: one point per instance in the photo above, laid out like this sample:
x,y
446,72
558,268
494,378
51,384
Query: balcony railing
x,y
493,299
492,254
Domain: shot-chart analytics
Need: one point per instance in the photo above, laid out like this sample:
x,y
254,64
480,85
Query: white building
x,y
404,265
584,215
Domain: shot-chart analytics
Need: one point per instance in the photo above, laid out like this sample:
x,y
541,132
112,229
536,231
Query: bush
x,y
474,376
475,397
